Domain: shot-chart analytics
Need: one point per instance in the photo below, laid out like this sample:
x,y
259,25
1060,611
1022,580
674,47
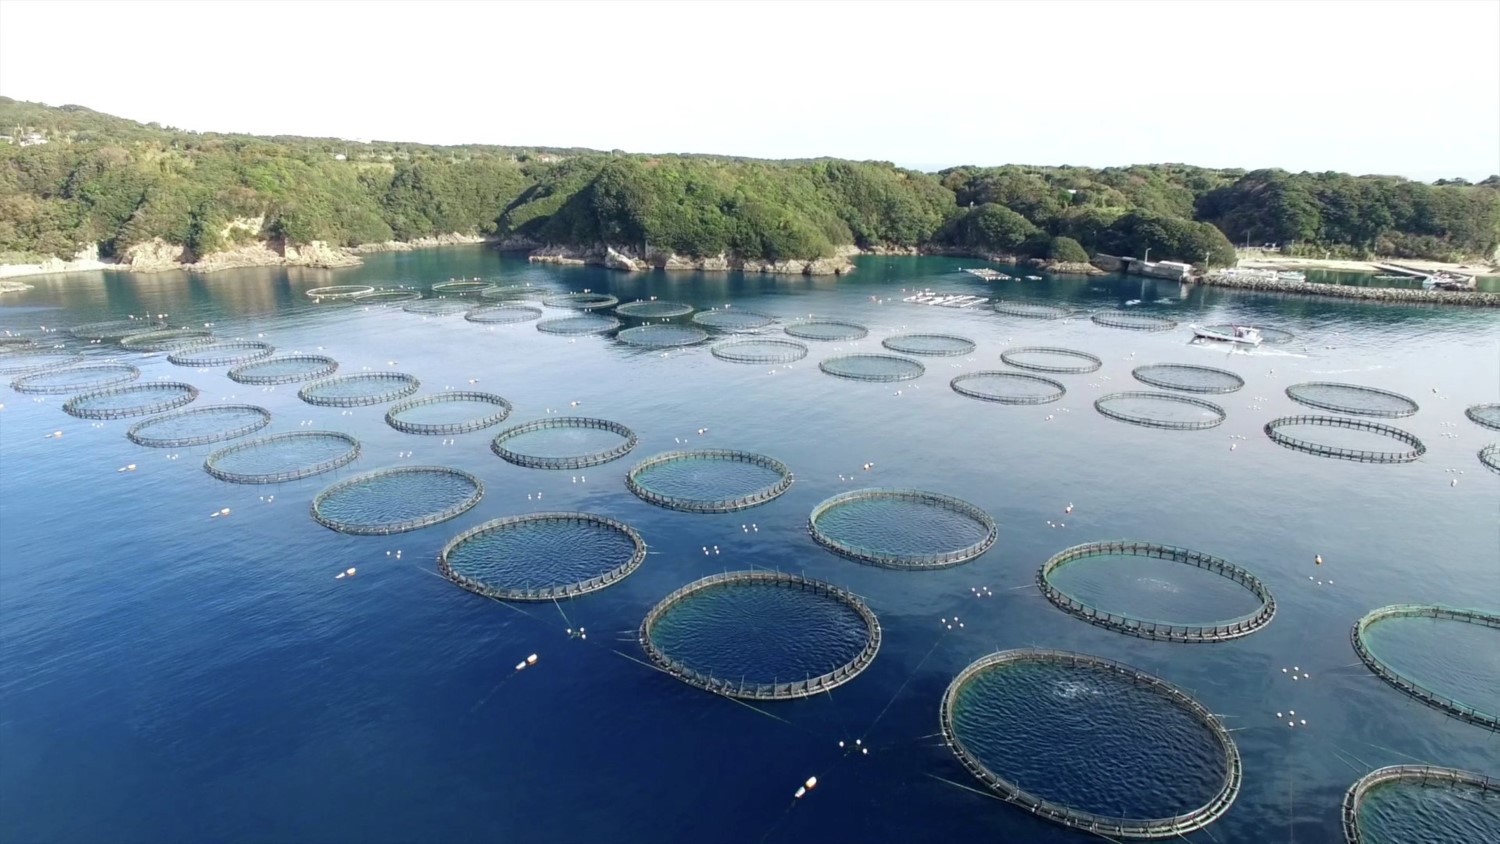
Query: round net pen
x,y
826,329
502,442
733,320
461,287
645,474
1270,336
759,351
437,307
114,329
503,314
935,345
1210,416
388,296
1359,637
76,379
221,354
26,361
1007,387
653,309
287,369
1352,399
494,411
738,687
344,506
1101,825
1132,321
1490,457
581,301
132,400
279,458
662,336
1485,415
612,570
360,390
1188,378
866,367
1161,631
1033,310
1051,359
1425,776
511,291
167,339
199,426
579,325
1275,429
339,291
916,559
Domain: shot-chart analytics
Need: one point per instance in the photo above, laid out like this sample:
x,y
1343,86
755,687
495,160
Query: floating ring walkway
x,y
572,461
156,397
221,354
639,484
1423,775
181,429
1352,399
1459,710
1076,362
76,379
943,558
349,450
287,369
474,490
552,592
1414,451
1215,414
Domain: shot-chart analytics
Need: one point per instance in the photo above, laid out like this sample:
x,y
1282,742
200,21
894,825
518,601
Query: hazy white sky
x,y
1368,87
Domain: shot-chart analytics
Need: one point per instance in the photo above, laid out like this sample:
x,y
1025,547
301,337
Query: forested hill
x,y
72,177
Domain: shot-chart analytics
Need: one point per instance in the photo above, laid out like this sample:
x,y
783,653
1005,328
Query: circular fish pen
x,y
1270,336
282,457
27,361
759,350
826,329
902,528
1188,378
340,291
564,442
662,336
1406,803
1132,321
1490,457
1352,399
1145,628
653,309
1098,735
132,400
221,354
397,500
359,390
1052,359
1033,310
1346,439
1161,410
387,296
542,556
1418,687
437,307
579,325
76,379
1007,387
461,287
452,412
581,301
503,314
717,634
1485,415
287,369
167,339
733,320
510,291
709,480
114,329
867,367
936,345
199,426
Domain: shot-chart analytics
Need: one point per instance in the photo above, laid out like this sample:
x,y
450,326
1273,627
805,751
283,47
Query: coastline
x,y
1396,295
1475,268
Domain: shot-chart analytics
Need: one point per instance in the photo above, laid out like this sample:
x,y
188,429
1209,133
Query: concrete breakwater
x,y
1378,294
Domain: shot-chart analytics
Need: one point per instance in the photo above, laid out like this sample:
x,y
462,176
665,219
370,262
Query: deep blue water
x,y
172,677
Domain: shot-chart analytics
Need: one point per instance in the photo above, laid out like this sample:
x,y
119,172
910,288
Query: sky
x,y
1389,87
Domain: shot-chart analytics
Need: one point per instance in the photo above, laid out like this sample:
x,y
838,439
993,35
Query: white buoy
x,y
224,512
531,660
812,782
350,571
799,792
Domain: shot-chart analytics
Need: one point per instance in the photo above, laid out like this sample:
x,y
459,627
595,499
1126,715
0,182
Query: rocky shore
x,y
1377,294
629,260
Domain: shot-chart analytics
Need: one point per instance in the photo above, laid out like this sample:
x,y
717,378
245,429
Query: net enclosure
x,y
1033,310
1484,713
542,556
867,367
280,458
653,309
1188,378
1490,457
1486,415
511,291
936,345
461,287
733,320
359,390
759,350
579,325
1063,696
1051,359
76,379
167,339
1161,410
1007,387
286,369
452,412
709,480
662,336
826,329
902,528
1352,399
581,301
437,307
340,291
131,400
1133,321
1470,793
25,361
199,426
398,500
387,296
506,314
221,354
1161,631
734,633
1345,439
1272,336
114,329
564,442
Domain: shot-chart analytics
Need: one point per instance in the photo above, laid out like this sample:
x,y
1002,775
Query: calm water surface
x,y
172,677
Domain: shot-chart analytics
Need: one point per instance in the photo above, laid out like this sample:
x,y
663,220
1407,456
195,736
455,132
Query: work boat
x,y
1240,335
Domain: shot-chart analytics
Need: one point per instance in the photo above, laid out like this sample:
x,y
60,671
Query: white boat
x,y
1240,335
1033,278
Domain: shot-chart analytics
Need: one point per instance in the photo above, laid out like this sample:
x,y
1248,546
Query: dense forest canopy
x,y
71,177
